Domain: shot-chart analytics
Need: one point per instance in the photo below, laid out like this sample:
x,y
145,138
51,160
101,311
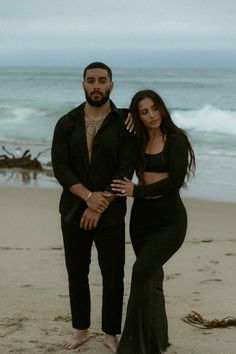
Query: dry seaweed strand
x,y
63,318
196,320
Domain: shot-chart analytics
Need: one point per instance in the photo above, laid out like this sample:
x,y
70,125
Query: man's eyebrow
x,y
103,77
100,77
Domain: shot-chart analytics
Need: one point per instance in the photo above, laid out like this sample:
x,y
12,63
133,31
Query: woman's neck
x,y
155,134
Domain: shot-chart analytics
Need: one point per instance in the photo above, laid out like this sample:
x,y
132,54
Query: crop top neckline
x,y
157,153
154,154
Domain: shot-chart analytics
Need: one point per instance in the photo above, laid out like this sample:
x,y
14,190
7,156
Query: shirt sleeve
x,y
61,153
177,155
128,153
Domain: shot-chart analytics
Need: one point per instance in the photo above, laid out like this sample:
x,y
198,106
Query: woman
x,y
158,219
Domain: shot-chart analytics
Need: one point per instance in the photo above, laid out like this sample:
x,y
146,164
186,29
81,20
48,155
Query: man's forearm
x,y
80,191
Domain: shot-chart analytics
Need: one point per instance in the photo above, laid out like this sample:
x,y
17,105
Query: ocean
x,y
201,101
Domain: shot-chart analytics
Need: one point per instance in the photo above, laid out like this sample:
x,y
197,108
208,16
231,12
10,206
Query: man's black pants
x,y
110,244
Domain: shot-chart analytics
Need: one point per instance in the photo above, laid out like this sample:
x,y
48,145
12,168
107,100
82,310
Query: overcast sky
x,y
153,33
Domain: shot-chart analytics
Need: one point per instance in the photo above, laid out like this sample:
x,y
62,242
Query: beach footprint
x,y
11,325
172,276
210,280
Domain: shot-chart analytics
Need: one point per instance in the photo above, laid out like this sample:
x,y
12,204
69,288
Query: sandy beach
x,y
34,303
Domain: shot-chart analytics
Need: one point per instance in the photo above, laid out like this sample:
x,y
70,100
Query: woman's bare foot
x,y
111,342
79,337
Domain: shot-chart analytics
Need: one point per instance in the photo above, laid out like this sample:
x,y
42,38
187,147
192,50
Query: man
x,y
91,147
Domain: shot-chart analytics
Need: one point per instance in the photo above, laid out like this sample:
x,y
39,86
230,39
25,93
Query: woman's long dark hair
x,y
167,127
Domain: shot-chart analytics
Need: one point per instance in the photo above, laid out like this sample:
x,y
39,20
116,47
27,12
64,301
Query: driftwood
x,y
10,160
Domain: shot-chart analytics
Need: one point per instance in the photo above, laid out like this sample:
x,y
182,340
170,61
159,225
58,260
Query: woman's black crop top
x,y
155,162
174,160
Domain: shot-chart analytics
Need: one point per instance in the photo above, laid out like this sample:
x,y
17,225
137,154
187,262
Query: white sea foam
x,y
12,115
207,119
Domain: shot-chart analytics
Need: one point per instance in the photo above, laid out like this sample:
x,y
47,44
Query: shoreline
x,y
34,289
15,178
208,184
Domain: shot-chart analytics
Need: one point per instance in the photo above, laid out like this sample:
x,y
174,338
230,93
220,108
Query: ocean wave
x,y
25,124
12,115
207,119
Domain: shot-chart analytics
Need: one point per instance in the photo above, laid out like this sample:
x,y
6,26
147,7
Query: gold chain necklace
x,y
93,124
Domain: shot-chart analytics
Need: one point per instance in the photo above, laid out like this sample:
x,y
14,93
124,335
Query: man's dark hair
x,y
98,65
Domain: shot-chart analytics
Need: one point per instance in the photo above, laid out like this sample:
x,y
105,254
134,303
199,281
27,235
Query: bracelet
x,y
89,195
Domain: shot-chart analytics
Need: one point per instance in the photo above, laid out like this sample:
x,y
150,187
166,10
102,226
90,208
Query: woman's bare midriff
x,y
153,177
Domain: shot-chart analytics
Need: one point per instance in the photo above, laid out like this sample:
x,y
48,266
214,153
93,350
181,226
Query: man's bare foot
x,y
79,337
111,342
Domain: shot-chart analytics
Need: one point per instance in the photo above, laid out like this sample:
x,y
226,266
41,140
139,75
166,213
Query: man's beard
x,y
98,102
